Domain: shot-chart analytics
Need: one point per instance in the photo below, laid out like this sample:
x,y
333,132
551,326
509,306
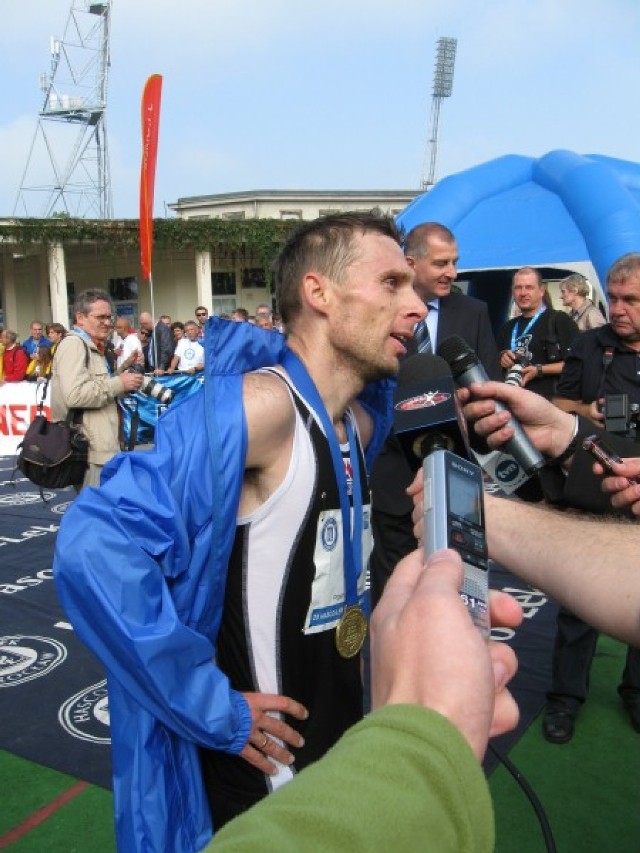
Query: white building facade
x,y
38,280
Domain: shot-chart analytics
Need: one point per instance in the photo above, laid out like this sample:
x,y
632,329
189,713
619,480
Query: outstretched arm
x,y
589,564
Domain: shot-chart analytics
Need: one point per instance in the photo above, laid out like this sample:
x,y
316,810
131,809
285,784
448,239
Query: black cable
x,y
531,796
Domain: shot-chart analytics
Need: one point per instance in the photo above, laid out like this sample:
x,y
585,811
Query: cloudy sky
x,y
334,94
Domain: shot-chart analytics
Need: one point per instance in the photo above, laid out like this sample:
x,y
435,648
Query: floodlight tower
x,y
442,88
67,169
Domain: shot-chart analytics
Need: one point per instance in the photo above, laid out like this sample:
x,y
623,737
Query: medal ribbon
x,y
352,537
515,335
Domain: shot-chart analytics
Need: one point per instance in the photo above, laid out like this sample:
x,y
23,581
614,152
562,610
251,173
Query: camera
x,y
620,416
513,376
151,387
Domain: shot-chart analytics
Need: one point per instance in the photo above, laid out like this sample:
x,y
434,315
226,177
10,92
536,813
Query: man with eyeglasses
x,y
202,315
81,379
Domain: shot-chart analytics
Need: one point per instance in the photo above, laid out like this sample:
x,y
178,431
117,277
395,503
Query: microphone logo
x,y
422,401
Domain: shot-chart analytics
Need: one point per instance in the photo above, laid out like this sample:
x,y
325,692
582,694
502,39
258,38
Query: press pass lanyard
x,y
514,333
352,537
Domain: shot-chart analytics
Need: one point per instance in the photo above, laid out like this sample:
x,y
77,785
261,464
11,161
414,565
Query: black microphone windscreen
x,y
425,407
458,354
421,368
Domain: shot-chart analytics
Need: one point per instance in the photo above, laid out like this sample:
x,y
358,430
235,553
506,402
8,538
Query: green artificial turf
x,y
83,824
589,788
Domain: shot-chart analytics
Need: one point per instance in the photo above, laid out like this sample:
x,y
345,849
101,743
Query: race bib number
x,y
327,591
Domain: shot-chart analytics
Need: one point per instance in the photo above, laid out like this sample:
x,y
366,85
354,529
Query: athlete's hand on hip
x,y
270,736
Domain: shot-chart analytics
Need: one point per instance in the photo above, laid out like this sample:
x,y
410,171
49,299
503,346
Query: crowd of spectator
x,y
183,352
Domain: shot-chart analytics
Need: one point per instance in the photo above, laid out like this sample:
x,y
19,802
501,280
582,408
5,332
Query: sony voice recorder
x,y
454,518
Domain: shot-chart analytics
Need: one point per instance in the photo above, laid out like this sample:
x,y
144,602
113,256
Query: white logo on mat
x,y
25,658
86,715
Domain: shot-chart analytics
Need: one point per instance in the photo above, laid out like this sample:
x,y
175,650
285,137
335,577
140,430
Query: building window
x,y
223,305
254,277
123,289
233,214
223,283
329,211
290,214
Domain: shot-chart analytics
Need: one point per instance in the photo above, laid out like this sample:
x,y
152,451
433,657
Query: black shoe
x,y
558,725
633,710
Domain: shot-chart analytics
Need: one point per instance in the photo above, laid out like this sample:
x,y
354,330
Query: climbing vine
x,y
245,239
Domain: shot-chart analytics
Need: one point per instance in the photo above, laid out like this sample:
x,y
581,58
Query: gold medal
x,y
351,631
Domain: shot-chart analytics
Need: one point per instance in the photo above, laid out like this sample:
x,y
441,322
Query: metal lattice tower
x,y
67,171
442,88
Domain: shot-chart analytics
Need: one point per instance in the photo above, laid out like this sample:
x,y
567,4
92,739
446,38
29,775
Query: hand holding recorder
x,y
425,650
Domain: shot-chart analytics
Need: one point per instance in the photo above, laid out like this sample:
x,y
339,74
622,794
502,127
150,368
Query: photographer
x,y
558,434
539,336
81,379
604,361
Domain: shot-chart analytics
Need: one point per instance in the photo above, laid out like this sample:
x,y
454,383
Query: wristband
x,y
539,372
571,448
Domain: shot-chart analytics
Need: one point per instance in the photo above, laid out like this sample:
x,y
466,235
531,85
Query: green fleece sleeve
x,y
402,779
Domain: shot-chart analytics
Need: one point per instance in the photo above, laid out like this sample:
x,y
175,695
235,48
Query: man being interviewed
x,y
227,606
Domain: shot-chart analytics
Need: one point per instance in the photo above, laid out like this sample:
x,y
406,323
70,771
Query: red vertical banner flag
x,y
150,125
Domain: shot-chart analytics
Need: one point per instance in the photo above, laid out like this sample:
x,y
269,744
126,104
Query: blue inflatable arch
x,y
563,209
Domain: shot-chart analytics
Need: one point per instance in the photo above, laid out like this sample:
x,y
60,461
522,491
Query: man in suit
x,y
432,252
161,343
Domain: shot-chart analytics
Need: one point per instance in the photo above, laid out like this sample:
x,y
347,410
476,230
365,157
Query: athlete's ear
x,y
315,291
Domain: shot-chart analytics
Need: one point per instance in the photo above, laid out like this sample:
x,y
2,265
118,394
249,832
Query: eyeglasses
x,y
102,318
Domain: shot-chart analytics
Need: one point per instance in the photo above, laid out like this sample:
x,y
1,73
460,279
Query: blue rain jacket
x,y
140,568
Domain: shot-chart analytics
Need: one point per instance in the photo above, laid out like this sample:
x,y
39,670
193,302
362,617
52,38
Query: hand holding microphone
x,y
468,371
493,407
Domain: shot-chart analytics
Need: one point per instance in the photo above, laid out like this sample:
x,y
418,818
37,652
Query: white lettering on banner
x,y
18,407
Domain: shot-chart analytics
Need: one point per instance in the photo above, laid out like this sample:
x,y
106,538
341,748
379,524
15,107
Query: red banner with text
x,y
18,407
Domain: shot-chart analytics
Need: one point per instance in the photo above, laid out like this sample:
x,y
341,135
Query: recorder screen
x,y
465,497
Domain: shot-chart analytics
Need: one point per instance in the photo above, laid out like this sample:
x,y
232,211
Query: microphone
x,y
466,369
426,413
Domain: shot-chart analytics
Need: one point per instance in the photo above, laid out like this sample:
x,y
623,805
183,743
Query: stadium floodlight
x,y
442,88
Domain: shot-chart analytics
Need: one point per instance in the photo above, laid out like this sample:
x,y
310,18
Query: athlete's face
x,y
376,308
624,307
